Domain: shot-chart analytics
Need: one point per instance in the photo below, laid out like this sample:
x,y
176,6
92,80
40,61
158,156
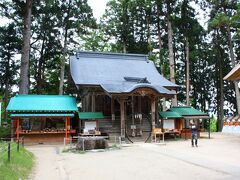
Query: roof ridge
x,y
42,95
111,55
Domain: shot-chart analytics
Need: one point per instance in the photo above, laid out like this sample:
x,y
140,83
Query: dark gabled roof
x,y
118,73
42,103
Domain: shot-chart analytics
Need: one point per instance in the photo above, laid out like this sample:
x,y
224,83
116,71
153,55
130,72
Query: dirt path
x,y
217,158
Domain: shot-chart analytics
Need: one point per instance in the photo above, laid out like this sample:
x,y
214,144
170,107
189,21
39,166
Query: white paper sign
x,y
168,124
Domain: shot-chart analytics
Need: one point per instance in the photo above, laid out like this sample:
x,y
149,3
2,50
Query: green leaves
x,y
221,20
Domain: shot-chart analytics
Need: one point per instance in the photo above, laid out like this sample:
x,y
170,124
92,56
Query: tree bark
x,y
170,53
148,19
160,48
61,83
24,70
230,44
6,93
187,72
221,113
40,68
63,59
221,86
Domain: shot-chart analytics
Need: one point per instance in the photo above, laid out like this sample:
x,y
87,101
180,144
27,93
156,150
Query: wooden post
x,y
153,111
93,102
209,128
180,124
9,152
198,127
66,130
113,108
139,104
122,110
157,114
133,123
17,128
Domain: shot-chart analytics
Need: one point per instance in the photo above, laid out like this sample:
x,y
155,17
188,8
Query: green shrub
x,y
5,131
213,124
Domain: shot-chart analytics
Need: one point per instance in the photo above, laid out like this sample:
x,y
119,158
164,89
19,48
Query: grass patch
x,y
20,165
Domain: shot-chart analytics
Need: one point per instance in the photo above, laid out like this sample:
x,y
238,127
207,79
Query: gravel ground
x,y
217,158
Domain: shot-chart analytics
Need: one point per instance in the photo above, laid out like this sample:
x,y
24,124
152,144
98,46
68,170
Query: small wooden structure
x,y
177,120
42,118
125,87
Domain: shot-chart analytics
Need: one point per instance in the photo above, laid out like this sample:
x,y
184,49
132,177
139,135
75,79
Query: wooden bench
x,y
155,132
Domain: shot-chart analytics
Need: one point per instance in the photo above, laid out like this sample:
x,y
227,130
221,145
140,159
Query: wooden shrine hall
x,y
43,118
125,87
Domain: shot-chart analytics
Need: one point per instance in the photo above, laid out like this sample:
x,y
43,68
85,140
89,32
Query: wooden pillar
x,y
180,124
133,122
198,128
132,110
153,111
122,112
67,128
209,128
113,108
89,100
17,128
139,104
157,114
93,102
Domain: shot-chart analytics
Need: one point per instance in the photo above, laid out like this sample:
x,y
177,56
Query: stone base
x,y
89,143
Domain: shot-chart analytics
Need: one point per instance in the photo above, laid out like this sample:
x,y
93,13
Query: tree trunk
x,y
24,70
220,86
40,68
170,53
187,72
124,47
6,93
160,48
63,63
148,18
63,59
221,113
230,44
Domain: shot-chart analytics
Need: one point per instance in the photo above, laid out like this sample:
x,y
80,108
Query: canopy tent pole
x,y
198,127
209,128
185,123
